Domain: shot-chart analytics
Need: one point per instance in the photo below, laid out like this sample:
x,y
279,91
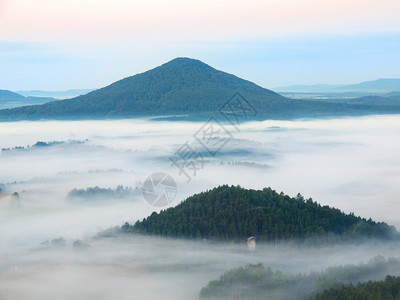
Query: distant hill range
x,y
183,86
389,99
379,86
232,213
55,94
10,99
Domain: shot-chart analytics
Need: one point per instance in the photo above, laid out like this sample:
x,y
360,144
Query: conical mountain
x,y
181,86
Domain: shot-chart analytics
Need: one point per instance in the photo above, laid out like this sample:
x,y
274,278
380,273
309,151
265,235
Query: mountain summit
x,y
181,86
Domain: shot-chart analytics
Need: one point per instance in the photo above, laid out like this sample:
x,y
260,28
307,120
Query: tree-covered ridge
x,y
182,86
255,282
97,192
388,289
232,213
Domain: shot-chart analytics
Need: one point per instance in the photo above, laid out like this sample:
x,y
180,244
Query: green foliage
x,y
256,282
388,289
182,85
96,192
234,214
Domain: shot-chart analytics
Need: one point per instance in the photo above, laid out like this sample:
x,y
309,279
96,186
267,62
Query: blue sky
x,y
61,49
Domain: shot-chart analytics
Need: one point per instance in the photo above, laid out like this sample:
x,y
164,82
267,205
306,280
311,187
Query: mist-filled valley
x,y
64,185
199,150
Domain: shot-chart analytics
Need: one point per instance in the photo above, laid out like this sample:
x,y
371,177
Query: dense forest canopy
x,y
388,289
255,282
232,213
187,86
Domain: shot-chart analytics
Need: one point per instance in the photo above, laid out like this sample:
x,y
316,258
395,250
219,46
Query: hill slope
x,y
181,86
384,289
10,99
382,85
234,213
255,282
6,95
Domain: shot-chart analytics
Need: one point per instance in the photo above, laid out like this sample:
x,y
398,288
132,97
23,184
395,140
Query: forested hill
x,y
232,213
255,282
182,86
388,289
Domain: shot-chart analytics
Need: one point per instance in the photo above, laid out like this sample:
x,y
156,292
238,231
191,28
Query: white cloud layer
x,y
349,163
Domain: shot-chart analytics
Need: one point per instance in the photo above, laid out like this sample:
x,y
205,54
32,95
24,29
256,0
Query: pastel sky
x,y
65,44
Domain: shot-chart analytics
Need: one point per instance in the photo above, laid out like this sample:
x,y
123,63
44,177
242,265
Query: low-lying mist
x,y
349,163
139,267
